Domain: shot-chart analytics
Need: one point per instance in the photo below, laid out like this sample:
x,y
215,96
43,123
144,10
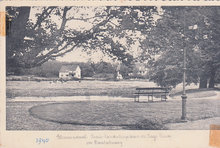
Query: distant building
x,y
141,69
68,72
118,75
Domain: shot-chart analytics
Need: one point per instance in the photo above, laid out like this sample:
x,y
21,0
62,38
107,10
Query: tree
x,y
193,28
86,69
44,39
125,70
15,31
104,67
209,37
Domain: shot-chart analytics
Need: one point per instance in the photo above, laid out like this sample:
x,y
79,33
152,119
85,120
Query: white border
x,y
26,139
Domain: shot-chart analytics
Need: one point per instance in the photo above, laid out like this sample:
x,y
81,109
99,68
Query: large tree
x,y
209,43
33,42
197,30
16,31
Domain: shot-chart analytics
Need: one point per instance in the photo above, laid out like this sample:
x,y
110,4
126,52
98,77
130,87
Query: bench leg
x,y
150,100
136,98
163,99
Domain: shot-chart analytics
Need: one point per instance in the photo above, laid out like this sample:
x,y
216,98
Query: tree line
x,y
89,69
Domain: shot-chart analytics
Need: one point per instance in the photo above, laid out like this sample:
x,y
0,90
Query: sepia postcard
x,y
120,73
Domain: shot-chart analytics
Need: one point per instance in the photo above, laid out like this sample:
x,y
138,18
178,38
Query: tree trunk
x,y
203,81
15,36
212,78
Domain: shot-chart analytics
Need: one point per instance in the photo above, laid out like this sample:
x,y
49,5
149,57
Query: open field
x,y
74,88
124,88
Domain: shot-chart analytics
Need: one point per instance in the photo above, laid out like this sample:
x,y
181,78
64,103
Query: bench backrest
x,y
152,88
160,89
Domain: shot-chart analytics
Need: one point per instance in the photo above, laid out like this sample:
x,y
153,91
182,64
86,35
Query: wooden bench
x,y
162,92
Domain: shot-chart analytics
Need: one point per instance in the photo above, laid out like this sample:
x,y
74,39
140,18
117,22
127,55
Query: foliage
x,y
194,28
51,69
86,70
48,69
103,67
125,70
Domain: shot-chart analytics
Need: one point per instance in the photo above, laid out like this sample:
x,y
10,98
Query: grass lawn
x,y
102,115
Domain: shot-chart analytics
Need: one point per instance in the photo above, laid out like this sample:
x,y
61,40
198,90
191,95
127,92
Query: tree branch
x,y
85,19
43,16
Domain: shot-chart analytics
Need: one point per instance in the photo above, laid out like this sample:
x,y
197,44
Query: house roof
x,y
67,68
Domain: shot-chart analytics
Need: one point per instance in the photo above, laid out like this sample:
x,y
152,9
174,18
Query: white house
x,y
68,72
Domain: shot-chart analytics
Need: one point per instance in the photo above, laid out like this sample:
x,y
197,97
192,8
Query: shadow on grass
x,y
147,125
75,122
124,115
142,125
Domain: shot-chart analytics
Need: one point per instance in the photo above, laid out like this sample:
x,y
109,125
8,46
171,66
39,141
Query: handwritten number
x,y
42,140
